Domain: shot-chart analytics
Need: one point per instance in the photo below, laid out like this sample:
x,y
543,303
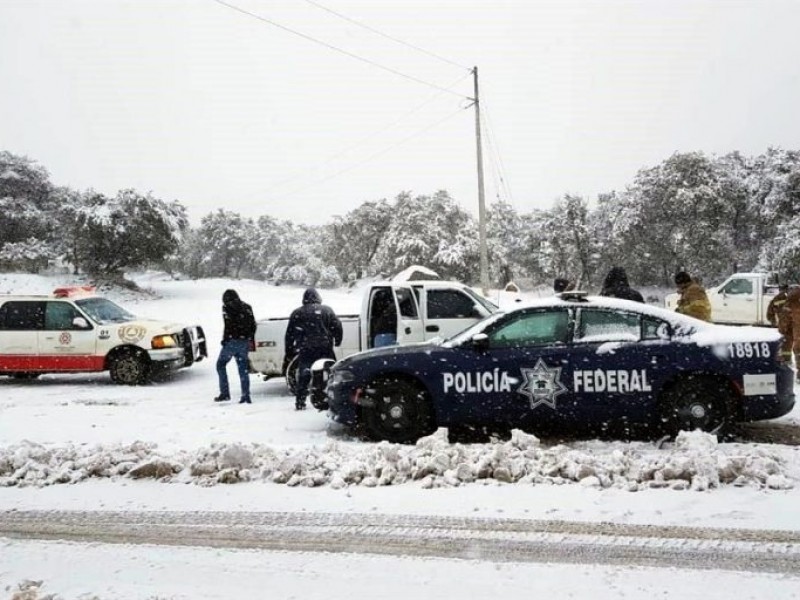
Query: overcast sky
x,y
197,102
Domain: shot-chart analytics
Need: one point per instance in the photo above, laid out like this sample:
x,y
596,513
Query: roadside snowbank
x,y
695,462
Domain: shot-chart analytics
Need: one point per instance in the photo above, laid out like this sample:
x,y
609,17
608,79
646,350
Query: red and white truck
x,y
76,331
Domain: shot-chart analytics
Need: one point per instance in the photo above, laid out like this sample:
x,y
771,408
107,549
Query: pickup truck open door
x,y
409,321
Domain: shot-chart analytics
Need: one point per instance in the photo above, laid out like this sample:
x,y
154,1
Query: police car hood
x,y
388,351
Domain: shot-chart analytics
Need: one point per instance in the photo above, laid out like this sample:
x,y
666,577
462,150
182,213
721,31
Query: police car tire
x,y
129,367
401,413
694,402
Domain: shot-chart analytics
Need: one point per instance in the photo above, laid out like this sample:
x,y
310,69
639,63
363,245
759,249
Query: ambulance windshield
x,y
104,311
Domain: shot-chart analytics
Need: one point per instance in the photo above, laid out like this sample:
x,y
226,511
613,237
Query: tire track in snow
x,y
499,540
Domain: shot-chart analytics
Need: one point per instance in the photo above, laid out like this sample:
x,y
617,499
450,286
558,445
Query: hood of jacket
x,y
311,296
617,277
230,298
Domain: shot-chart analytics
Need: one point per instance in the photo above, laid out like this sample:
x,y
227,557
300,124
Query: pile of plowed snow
x,y
695,461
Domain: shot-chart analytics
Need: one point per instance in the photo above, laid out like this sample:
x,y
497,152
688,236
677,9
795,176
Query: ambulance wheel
x,y
401,411
25,375
291,376
695,402
129,367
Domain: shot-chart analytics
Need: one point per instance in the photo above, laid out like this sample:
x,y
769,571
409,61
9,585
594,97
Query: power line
x,y
376,154
337,49
360,141
496,149
387,36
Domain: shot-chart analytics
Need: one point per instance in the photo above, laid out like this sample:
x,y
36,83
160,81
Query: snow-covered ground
x,y
75,442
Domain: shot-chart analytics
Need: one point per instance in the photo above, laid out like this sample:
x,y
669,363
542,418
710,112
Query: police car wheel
x,y
400,412
694,403
129,368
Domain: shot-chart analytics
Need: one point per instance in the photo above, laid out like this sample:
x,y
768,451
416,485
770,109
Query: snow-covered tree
x,y
129,230
432,231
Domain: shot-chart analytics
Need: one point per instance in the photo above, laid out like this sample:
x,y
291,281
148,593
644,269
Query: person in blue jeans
x,y
312,332
237,337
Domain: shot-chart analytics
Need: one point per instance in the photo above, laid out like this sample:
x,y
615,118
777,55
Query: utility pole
x,y
481,197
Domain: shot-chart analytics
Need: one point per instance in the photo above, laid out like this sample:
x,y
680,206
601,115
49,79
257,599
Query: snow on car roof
x,y
696,331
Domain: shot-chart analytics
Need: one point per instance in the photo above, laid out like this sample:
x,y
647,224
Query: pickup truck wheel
x,y
291,376
401,411
129,367
695,402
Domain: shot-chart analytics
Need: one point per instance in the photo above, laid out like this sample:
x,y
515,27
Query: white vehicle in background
x,y
76,331
742,299
391,313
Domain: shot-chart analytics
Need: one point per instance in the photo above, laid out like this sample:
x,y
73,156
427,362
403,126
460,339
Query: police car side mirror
x,y
479,341
80,323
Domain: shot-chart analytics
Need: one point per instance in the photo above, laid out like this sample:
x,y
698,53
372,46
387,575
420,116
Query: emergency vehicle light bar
x,y
574,295
73,290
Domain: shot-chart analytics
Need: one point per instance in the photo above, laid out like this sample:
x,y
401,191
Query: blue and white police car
x,y
570,361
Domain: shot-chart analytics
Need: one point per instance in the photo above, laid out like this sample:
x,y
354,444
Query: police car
x,y
571,361
74,330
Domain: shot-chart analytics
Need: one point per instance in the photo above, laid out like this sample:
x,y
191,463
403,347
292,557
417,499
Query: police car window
x,y
533,328
58,316
739,286
450,304
407,303
654,329
607,325
22,316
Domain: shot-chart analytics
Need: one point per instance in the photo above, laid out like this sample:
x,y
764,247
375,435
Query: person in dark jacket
x,y
237,337
560,285
312,332
616,285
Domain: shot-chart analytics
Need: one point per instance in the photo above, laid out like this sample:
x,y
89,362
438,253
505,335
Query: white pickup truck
x,y
406,312
742,299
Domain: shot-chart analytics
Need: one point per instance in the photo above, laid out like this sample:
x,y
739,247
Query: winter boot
x,y
221,398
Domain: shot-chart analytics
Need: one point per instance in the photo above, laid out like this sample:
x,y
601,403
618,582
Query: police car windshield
x,y
467,333
104,311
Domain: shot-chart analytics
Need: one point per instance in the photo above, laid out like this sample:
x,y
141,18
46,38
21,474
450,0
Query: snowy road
x,y
496,540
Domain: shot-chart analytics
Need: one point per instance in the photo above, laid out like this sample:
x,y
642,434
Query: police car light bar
x,y
574,296
71,291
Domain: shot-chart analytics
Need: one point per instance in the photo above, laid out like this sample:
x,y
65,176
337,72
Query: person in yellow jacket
x,y
780,316
793,305
693,301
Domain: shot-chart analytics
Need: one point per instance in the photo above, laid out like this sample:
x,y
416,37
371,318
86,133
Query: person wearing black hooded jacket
x,y
238,334
616,286
312,332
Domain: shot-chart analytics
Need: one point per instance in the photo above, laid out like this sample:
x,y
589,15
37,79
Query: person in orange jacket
x,y
693,301
780,316
793,305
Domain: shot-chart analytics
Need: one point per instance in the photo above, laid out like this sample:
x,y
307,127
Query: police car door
x,y
20,322
529,366
620,359
409,324
68,340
